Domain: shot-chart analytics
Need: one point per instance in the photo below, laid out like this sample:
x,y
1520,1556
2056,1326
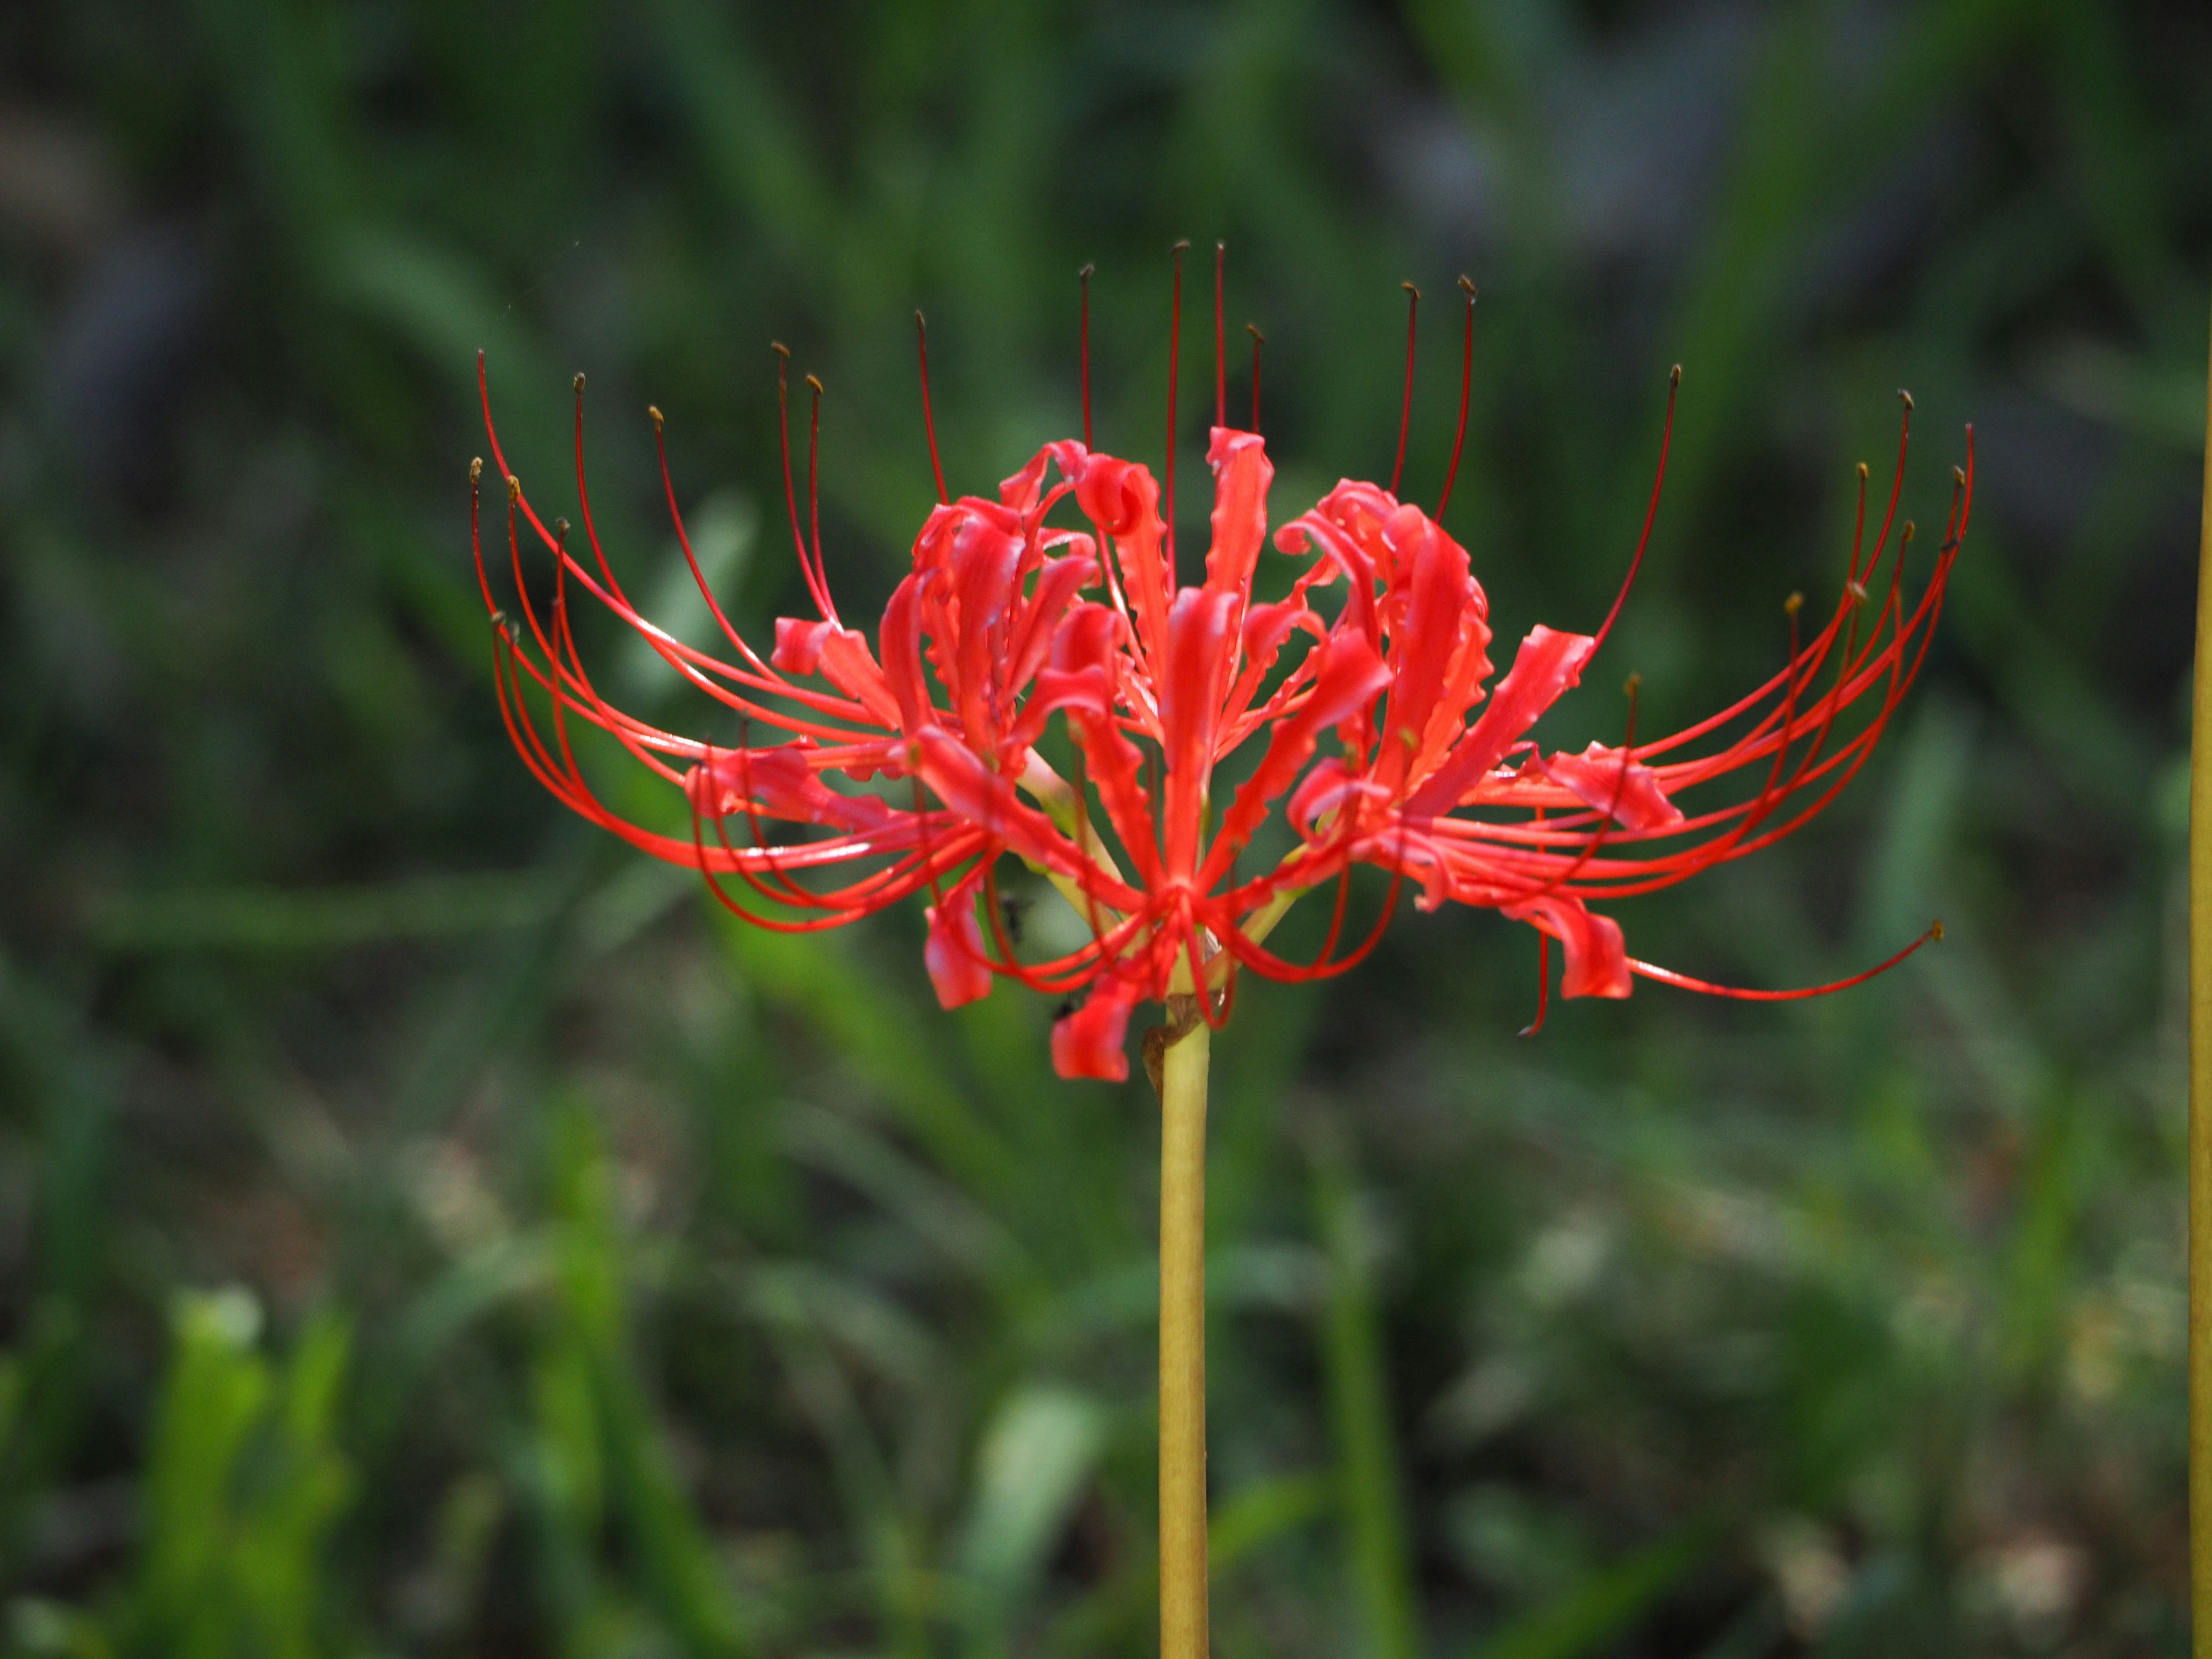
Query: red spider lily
x,y
1055,608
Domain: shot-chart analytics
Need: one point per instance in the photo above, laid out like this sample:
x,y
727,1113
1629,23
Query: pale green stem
x,y
1182,1335
2200,1092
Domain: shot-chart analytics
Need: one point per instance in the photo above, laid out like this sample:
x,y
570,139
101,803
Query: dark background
x,y
426,1228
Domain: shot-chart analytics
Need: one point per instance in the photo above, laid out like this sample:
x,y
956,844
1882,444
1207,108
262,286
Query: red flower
x,y
913,764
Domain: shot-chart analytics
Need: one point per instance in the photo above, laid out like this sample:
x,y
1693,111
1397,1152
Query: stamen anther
x,y
476,468
513,489
652,411
578,383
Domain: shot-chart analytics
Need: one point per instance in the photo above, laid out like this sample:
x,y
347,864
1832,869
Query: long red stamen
x,y
1459,436
1405,408
1220,346
1652,511
1543,983
814,587
813,491
1083,276
1257,340
928,414
1684,981
1174,348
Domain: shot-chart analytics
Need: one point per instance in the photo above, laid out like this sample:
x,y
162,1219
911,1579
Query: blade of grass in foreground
x,y
2200,1091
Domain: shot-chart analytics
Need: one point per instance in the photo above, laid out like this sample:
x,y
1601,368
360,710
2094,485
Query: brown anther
x,y
1863,472
1856,589
1911,530
476,468
1675,375
779,348
1793,604
1407,736
653,409
1958,477
578,383
1467,287
1411,289
1632,685
1087,272
1253,329
815,384
1907,396
514,488
561,530
1936,930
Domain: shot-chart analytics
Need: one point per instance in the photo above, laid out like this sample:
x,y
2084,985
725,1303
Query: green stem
x,y
1183,1334
2200,1092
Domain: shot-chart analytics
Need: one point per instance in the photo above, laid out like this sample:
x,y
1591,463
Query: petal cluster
x,y
1362,707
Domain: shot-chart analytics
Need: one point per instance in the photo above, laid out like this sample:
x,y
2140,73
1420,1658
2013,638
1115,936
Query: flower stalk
x,y
1183,1057
2200,1090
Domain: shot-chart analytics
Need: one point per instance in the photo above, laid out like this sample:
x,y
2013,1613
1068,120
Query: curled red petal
x,y
1242,473
958,970
779,783
1547,662
1596,778
1597,960
1091,1041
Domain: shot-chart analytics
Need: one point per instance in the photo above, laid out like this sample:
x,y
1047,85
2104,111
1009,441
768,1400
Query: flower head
x,y
1051,616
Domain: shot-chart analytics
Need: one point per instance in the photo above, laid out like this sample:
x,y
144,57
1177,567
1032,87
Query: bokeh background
x,y
426,1228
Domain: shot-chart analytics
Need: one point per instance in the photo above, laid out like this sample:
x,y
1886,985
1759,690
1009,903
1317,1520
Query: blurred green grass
x,y
426,1230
